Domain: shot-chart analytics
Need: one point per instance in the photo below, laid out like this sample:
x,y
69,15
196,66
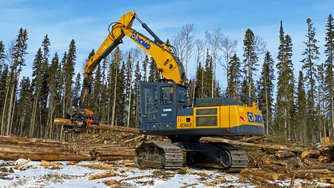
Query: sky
x,y
87,23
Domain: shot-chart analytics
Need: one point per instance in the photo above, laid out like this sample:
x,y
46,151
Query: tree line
x,y
298,107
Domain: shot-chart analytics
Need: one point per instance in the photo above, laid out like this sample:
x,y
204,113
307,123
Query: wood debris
x,y
48,163
21,164
105,175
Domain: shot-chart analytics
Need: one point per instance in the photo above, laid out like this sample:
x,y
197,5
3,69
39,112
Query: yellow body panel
x,y
206,117
226,116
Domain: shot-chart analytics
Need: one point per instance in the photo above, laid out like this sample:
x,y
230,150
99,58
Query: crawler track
x,y
158,154
237,155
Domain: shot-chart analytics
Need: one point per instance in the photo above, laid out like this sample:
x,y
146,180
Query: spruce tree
x,y
121,96
37,84
250,61
19,51
321,101
129,93
144,65
2,55
285,83
208,71
45,89
22,108
114,69
329,78
309,66
199,83
267,90
94,104
2,76
137,79
300,127
153,75
233,77
54,93
69,73
77,89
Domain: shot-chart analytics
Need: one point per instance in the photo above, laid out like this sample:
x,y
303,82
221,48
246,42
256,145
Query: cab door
x,y
148,103
167,107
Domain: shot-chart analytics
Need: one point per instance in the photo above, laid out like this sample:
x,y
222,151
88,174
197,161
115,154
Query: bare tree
x,y
215,44
229,48
184,42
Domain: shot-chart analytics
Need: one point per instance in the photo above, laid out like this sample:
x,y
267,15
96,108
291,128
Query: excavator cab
x,y
158,104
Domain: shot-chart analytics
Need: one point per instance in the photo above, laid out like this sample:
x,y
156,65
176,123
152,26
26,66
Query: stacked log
x,y
15,147
327,151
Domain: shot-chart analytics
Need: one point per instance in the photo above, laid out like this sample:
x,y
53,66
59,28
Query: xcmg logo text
x,y
140,41
254,118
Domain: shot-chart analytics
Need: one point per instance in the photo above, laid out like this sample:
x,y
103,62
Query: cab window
x,y
167,95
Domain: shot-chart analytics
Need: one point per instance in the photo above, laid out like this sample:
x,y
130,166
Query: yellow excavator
x,y
165,110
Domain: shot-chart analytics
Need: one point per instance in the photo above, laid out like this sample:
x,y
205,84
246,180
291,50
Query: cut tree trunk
x,y
262,146
248,139
313,171
312,154
42,156
284,154
67,122
327,141
269,176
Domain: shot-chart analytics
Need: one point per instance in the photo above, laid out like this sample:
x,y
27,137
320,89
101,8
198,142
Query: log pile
x,y
15,147
270,162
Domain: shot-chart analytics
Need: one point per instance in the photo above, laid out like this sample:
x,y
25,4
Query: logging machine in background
x,y
166,110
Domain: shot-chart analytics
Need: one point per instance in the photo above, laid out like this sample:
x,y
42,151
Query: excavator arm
x,y
168,64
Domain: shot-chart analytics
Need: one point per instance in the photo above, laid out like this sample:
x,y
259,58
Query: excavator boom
x,y
166,62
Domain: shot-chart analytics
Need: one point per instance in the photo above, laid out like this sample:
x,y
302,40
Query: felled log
x,y
312,154
42,156
141,137
326,179
248,174
99,166
104,175
264,146
68,122
298,176
11,139
269,176
327,141
284,154
328,167
312,171
48,163
34,149
248,139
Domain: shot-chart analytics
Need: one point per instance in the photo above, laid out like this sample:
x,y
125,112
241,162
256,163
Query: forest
x,y
298,108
